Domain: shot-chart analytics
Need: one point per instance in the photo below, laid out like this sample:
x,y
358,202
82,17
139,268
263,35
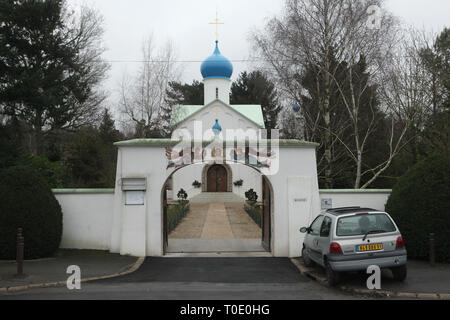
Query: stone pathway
x,y
191,226
217,225
242,225
217,221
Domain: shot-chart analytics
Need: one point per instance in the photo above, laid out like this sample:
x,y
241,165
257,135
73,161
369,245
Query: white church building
x,y
131,219
217,114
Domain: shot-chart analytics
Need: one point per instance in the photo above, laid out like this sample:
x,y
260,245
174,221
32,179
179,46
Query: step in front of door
x,y
209,197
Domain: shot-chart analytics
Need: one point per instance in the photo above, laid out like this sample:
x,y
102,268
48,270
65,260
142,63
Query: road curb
x,y
128,270
378,293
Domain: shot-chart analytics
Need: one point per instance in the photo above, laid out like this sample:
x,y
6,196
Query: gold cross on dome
x,y
217,26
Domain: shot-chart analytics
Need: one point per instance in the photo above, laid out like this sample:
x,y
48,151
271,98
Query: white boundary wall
x,y
87,217
87,213
375,199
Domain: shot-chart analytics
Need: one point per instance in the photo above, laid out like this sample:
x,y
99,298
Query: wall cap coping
x,y
83,191
355,191
111,191
171,143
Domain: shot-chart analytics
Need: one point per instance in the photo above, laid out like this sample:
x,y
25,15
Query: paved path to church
x,y
191,227
242,225
217,221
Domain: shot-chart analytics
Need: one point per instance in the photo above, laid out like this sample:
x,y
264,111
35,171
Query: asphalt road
x,y
199,279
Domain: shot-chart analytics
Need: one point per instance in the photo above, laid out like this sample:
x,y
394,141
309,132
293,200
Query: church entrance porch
x,y
217,178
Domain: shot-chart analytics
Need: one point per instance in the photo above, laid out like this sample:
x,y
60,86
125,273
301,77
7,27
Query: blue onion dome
x,y
296,107
217,129
217,66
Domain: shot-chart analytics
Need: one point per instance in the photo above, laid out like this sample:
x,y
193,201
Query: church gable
x,y
216,109
229,116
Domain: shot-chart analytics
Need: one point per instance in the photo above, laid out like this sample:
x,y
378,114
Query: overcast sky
x,y
185,23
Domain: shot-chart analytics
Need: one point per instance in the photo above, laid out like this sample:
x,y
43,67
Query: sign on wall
x,y
135,198
134,189
327,203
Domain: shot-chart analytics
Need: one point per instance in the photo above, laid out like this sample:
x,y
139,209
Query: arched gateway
x,y
216,172
143,170
247,236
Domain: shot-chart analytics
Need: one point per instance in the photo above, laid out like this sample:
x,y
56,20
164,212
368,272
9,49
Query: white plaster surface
x,y
86,220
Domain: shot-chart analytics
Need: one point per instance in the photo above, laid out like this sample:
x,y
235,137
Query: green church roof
x,y
251,112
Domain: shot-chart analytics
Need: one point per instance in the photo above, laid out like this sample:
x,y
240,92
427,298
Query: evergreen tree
x,y
85,159
91,155
256,88
109,134
107,129
437,61
339,170
10,149
185,94
436,134
177,94
333,164
49,67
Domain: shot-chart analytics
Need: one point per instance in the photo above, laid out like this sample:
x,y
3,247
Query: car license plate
x,y
369,247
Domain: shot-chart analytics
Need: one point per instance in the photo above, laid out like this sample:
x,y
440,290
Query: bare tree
x,y
311,34
143,97
348,44
367,46
406,95
84,32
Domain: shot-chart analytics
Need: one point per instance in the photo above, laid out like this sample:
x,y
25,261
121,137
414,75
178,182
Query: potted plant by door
x,y
251,196
238,183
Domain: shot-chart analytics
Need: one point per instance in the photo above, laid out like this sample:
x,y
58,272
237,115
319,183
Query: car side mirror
x,y
304,230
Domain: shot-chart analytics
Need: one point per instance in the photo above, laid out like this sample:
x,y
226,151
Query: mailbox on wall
x,y
134,189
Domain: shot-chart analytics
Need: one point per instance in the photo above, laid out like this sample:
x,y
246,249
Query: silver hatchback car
x,y
352,239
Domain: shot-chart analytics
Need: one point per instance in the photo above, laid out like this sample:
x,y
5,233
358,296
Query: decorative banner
x,y
252,157
175,158
248,156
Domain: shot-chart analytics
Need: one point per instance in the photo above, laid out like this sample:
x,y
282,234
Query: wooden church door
x,y
217,179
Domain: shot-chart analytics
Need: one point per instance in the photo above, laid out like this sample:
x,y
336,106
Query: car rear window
x,y
361,224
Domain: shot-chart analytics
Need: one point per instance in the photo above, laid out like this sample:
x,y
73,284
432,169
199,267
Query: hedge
x,y
420,205
254,212
28,202
175,213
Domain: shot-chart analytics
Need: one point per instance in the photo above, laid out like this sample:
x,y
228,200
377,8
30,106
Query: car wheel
x,y
399,273
333,277
306,260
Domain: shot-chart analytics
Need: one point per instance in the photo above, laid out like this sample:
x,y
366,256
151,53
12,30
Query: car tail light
x,y
335,248
400,243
